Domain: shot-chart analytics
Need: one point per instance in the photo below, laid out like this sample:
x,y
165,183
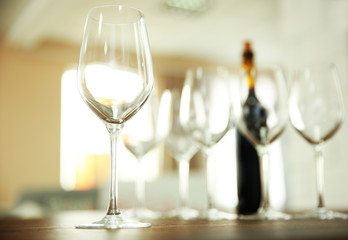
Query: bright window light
x,y
111,87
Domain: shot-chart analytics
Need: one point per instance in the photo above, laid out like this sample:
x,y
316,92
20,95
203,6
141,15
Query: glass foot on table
x,y
185,213
215,214
114,222
266,214
142,213
322,213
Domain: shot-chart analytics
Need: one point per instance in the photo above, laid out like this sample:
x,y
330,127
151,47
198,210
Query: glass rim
x,y
118,6
317,66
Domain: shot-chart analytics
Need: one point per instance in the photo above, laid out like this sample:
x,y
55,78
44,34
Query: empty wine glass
x,y
205,114
141,135
262,117
317,112
115,79
182,149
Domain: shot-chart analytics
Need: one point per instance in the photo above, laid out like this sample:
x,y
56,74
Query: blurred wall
x,y
30,117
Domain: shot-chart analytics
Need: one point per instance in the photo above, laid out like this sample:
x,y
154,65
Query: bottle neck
x,y
249,75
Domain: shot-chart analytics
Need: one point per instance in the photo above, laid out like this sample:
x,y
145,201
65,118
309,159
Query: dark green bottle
x,y
248,169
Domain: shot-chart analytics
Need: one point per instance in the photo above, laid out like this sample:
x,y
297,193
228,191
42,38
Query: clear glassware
x,y
182,149
262,116
115,78
206,116
316,109
141,135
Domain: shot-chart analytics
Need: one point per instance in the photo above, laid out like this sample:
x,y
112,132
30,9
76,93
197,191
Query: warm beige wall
x,y
30,118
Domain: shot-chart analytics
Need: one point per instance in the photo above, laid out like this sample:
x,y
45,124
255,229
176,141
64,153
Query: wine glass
x,y
205,114
262,117
115,78
317,111
182,149
141,135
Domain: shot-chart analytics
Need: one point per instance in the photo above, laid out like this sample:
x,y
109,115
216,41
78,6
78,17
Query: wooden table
x,y
61,227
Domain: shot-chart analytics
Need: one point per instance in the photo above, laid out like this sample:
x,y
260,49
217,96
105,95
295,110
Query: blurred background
x,y
54,152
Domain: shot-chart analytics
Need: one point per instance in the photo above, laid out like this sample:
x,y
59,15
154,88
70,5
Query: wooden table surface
x,y
61,227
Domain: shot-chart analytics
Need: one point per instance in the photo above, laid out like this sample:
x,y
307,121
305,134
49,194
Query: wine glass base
x,y
214,215
322,213
113,222
185,213
142,213
266,214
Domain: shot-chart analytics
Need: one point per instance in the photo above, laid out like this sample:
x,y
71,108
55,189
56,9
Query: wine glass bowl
x,y
178,143
115,78
113,102
110,53
316,109
264,116
206,108
316,103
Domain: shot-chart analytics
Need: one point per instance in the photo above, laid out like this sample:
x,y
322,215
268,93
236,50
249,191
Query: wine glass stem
x,y
209,178
184,166
319,161
264,177
140,185
115,133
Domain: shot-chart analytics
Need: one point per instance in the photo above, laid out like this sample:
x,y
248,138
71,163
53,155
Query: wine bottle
x,y
248,169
